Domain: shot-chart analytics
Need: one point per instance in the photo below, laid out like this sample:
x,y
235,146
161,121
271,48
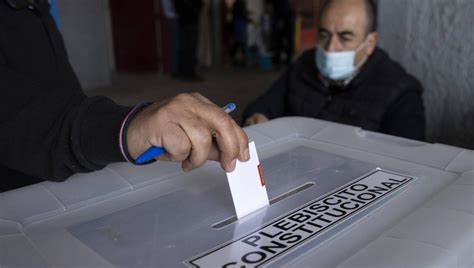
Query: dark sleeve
x,y
273,102
406,117
57,132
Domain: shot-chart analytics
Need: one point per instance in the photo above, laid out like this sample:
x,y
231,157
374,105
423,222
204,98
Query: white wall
x,y
434,40
84,26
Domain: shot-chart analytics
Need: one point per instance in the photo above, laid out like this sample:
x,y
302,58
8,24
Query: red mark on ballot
x,y
262,180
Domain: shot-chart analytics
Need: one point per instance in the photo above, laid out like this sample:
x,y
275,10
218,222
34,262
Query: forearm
x,y
61,133
48,127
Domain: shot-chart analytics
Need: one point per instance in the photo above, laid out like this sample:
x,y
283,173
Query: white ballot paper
x,y
247,185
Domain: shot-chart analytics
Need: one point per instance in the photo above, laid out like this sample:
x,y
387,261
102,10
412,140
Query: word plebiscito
x,y
309,221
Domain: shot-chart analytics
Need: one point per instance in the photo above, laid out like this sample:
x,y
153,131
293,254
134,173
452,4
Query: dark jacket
x,y
382,97
48,128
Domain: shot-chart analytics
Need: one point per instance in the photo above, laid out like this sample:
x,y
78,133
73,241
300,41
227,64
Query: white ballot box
x,y
339,197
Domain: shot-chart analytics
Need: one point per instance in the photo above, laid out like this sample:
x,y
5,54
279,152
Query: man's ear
x,y
372,40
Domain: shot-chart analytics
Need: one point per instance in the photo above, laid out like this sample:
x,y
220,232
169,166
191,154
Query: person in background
x,y
240,18
264,36
346,79
226,19
266,26
50,130
283,31
188,12
172,24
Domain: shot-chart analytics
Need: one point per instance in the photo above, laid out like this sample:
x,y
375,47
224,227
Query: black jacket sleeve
x,y
49,129
57,132
273,103
406,117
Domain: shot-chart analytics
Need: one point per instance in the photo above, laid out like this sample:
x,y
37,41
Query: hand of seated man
x,y
256,118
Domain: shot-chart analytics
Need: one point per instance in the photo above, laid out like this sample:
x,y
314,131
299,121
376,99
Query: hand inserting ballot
x,y
185,126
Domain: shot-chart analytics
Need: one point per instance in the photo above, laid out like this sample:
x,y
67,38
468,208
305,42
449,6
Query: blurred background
x,y
234,49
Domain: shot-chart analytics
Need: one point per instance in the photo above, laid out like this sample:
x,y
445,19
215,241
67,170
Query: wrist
x,y
127,138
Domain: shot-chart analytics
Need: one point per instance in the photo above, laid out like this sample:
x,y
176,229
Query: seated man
x,y
346,79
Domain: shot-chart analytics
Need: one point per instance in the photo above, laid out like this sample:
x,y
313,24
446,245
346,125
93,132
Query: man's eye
x,y
323,38
345,39
323,35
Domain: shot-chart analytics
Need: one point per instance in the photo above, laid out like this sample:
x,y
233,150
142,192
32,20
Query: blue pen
x,y
155,151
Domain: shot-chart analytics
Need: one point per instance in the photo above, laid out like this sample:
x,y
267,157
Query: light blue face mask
x,y
337,65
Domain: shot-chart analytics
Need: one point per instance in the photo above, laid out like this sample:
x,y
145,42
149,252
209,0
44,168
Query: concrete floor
x,y
220,85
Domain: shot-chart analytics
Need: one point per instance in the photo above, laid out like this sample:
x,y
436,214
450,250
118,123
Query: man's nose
x,y
333,45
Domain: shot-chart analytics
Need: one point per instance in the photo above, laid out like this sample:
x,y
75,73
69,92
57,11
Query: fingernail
x,y
247,154
232,165
187,167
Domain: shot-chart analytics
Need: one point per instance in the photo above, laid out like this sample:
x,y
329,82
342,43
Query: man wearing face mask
x,y
346,79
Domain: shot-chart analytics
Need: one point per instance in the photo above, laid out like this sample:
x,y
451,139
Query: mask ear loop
x,y
362,62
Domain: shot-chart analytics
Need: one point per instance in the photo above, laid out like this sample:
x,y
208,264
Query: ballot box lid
x,y
157,215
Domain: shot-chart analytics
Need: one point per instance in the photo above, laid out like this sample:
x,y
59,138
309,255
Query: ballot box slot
x,y
274,200
292,192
